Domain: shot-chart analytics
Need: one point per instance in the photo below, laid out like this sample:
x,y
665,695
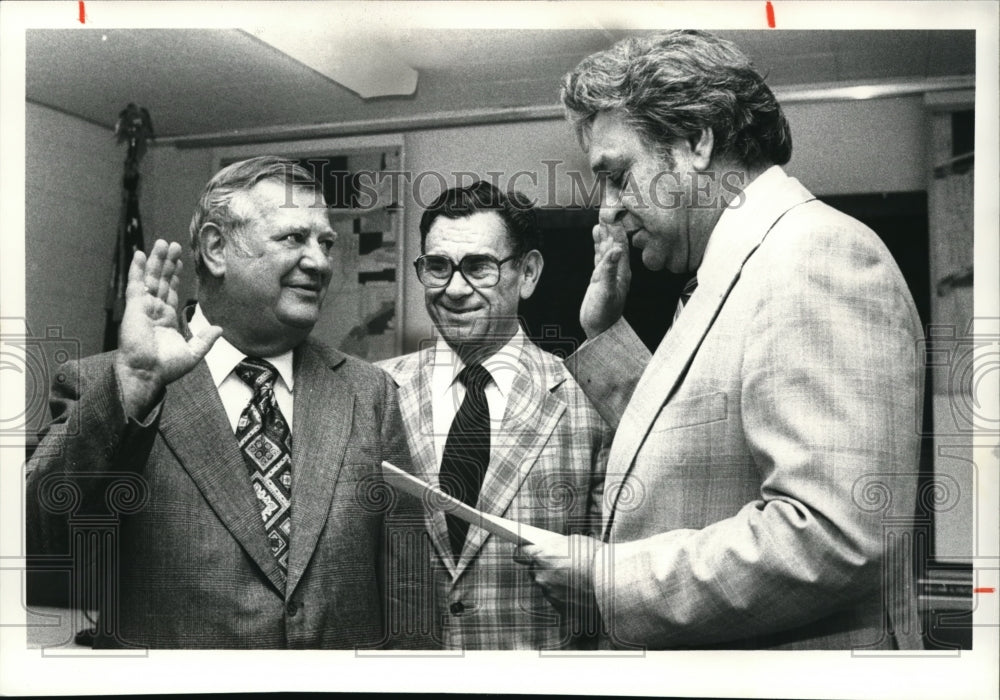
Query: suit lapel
x,y
738,238
324,412
530,417
414,392
415,403
193,423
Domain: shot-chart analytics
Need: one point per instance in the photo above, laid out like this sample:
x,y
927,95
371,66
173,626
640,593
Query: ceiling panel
x,y
189,80
798,70
197,81
951,53
517,68
789,42
447,49
865,40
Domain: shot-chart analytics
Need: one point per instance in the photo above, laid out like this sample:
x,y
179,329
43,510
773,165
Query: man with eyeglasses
x,y
497,422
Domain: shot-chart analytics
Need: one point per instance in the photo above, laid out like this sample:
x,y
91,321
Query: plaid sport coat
x,y
763,478
546,469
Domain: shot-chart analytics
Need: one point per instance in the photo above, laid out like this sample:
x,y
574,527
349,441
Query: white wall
x,y
860,146
74,203
73,197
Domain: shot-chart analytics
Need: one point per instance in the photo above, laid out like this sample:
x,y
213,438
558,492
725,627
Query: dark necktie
x,y
686,293
266,442
467,450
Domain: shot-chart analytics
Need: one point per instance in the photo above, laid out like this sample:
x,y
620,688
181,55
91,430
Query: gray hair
x,y
215,206
670,86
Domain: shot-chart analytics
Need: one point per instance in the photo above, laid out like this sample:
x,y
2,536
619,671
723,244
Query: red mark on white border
x,y
768,7
83,12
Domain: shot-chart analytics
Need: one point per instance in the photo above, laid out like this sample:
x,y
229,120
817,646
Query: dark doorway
x,y
552,315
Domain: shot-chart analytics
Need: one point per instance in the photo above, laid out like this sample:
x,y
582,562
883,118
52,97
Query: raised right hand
x,y
604,300
152,352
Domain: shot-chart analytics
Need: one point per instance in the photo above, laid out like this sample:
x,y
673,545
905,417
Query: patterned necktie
x,y
266,442
467,450
688,290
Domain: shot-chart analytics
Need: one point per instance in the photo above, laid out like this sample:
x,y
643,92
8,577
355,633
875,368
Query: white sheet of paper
x,y
509,530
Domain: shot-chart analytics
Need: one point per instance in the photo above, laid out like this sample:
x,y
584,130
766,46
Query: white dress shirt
x,y
447,393
234,392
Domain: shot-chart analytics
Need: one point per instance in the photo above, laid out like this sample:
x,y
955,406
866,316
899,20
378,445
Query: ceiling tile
x,y
773,43
852,41
952,53
446,48
197,81
516,68
798,70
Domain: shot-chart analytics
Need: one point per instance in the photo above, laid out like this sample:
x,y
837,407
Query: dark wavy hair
x,y
672,85
515,209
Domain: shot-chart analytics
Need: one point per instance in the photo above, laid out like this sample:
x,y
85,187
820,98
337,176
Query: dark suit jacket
x,y
193,565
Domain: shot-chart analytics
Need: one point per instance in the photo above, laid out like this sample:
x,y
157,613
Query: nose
x,y
458,286
315,258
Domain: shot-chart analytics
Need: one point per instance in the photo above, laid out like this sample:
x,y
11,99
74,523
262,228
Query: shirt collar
x,y
738,217
503,365
223,357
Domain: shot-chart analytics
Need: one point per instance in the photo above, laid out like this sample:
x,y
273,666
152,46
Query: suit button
x,y
292,608
457,608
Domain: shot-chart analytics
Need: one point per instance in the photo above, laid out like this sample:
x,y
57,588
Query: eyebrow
x,y
291,229
305,230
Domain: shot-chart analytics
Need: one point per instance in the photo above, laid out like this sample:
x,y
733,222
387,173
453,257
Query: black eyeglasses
x,y
480,271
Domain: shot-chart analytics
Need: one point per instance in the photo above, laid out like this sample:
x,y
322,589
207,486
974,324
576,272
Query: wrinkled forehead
x,y
613,140
483,232
272,196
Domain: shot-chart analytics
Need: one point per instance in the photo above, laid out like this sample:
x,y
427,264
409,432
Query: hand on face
x,y
604,300
152,352
653,192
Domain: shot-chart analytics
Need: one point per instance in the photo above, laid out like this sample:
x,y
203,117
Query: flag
x,y
134,126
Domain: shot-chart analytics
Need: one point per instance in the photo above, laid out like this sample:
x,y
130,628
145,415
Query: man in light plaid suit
x,y
543,464
765,459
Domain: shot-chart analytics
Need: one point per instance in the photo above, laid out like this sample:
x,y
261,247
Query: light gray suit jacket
x,y
193,565
763,475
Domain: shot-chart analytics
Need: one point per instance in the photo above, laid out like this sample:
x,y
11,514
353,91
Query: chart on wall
x,y
361,309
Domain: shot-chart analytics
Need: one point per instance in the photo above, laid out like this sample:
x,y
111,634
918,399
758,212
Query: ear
x,y
531,271
701,150
213,249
